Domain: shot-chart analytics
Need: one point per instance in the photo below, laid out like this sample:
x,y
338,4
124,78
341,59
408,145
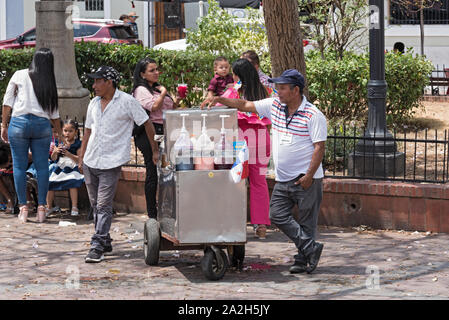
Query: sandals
x,y
41,213
23,214
261,231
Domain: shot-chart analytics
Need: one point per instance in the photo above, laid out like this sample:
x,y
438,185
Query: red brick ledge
x,y
352,186
133,174
346,202
387,188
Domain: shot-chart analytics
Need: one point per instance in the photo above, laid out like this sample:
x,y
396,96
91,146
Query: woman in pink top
x,y
154,99
254,130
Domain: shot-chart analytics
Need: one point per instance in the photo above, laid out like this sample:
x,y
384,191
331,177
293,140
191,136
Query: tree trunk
x,y
284,36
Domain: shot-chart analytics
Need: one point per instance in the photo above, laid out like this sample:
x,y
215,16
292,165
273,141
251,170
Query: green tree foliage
x,y
338,87
335,24
219,33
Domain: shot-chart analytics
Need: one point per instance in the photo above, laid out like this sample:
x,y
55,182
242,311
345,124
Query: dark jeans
x,y
101,186
151,171
285,195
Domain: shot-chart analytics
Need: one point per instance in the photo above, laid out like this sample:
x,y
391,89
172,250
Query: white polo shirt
x,y
304,128
110,140
20,96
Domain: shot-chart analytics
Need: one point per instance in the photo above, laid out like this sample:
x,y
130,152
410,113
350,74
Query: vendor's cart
x,y
198,209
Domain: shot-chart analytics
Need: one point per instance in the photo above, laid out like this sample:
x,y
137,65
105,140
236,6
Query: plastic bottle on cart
x,y
203,150
183,149
224,151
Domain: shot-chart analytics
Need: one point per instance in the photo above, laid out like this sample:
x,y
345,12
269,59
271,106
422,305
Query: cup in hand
x,y
182,90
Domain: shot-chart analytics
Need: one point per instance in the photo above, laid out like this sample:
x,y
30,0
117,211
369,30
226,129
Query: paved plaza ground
x,y
41,261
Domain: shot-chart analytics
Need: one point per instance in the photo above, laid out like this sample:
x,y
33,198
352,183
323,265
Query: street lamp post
x,y
376,154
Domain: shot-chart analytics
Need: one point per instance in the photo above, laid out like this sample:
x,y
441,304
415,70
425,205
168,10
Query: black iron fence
x,y
439,82
420,156
400,13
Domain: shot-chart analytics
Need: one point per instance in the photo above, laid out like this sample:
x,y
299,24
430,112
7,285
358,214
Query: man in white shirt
x,y
105,148
299,132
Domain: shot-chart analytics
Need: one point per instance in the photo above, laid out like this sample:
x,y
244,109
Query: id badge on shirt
x,y
286,138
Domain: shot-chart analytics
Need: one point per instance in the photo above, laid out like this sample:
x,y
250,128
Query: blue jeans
x,y
30,132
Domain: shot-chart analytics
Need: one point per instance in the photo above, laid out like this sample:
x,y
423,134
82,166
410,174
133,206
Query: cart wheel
x,y
152,240
212,269
236,256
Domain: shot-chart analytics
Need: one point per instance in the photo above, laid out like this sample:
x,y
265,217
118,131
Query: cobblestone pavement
x,y
39,261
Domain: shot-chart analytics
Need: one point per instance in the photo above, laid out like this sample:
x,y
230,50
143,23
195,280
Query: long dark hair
x,y
42,74
252,89
139,81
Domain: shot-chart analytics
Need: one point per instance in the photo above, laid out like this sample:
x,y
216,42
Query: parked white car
x,y
178,45
181,45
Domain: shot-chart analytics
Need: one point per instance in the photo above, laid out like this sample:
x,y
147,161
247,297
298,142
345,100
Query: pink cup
x,y
182,90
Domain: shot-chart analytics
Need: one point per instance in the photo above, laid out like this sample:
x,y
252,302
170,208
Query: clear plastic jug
x,y
183,149
203,150
224,151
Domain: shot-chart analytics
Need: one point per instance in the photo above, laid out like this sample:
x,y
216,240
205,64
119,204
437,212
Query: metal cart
x,y
198,209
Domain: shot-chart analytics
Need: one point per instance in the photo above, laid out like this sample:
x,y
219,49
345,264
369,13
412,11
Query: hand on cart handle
x,y
210,102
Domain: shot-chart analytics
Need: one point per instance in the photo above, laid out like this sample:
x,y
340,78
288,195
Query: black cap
x,y
291,76
105,72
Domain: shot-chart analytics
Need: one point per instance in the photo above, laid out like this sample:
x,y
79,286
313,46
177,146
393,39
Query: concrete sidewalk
x,y
44,261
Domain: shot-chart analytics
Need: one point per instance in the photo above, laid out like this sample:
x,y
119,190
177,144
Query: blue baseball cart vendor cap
x,y
290,76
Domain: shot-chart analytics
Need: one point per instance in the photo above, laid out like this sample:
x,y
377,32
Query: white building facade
x,y
403,27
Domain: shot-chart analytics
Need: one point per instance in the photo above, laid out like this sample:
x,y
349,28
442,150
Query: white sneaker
x,y
54,209
75,212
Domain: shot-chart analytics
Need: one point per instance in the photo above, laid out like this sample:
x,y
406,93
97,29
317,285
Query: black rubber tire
x,y
210,267
151,242
237,257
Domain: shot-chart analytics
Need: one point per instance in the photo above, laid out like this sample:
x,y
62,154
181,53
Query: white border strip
x,y
107,9
2,19
145,24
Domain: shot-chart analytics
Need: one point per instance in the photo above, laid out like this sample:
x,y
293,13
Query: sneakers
x,y
54,209
107,249
261,231
75,212
312,260
298,267
94,256
314,257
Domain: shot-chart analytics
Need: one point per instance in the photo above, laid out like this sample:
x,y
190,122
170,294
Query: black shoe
x,y
94,256
298,267
107,249
90,215
314,257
